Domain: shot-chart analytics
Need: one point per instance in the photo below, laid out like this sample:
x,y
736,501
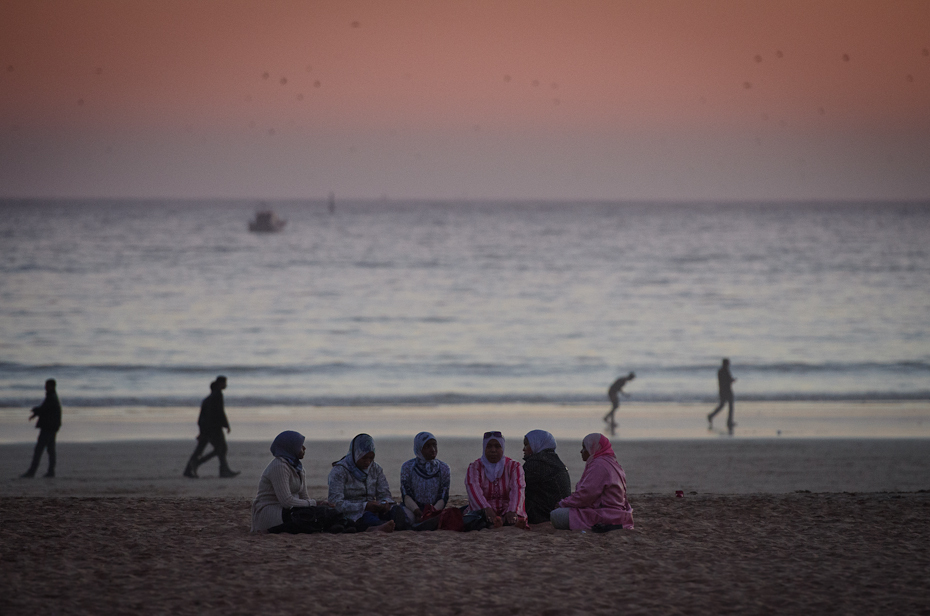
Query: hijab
x,y
427,469
287,446
360,445
597,445
540,440
492,471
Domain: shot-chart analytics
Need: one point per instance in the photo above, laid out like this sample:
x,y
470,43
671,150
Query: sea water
x,y
143,303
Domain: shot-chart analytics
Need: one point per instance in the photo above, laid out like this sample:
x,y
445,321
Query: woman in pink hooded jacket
x,y
600,496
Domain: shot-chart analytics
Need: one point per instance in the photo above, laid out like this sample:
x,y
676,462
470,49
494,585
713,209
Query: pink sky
x,y
505,99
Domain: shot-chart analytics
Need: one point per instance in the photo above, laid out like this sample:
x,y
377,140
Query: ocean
x,y
143,303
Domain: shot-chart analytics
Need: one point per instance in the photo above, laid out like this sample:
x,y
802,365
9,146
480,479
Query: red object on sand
x,y
679,494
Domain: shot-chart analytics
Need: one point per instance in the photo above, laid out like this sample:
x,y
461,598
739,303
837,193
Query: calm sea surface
x,y
128,302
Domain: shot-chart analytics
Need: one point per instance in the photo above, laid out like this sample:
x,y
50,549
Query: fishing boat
x,y
266,221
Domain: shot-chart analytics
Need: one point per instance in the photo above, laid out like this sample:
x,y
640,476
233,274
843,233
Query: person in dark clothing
x,y
212,421
547,479
614,394
49,414
725,382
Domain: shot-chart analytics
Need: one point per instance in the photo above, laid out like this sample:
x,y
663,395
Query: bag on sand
x,y
451,518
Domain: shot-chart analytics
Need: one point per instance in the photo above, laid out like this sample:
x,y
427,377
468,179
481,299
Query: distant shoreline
x,y
636,421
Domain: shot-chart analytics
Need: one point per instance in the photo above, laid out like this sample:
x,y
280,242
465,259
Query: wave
x,y
452,398
466,368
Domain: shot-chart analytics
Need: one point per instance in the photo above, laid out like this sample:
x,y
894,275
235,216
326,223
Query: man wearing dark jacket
x,y
725,382
212,421
49,414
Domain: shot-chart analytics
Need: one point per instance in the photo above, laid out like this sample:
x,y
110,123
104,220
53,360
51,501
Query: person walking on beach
x,y
212,421
614,394
725,382
49,414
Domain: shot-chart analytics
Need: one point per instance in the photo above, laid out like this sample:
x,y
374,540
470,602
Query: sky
x,y
503,99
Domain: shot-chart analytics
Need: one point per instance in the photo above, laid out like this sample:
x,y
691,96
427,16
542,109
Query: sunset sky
x,y
512,99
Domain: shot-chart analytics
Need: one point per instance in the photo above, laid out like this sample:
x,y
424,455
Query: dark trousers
x,y
218,440
46,441
396,513
724,399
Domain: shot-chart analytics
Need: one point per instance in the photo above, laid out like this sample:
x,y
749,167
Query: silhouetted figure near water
x,y
49,414
614,394
725,381
212,421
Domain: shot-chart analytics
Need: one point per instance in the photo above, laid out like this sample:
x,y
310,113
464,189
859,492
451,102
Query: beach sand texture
x,y
120,531
702,554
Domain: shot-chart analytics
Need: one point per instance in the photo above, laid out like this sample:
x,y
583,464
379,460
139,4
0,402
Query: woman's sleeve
x,y
303,493
406,489
336,497
589,489
382,489
445,481
280,477
517,489
476,499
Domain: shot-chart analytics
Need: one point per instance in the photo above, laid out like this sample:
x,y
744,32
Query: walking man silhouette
x,y
725,382
49,414
212,421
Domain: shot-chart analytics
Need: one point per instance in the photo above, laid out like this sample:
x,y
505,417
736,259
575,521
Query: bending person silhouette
x,y
212,421
614,394
49,414
725,382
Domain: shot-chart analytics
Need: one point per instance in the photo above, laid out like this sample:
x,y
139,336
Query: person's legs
x,y
372,522
52,454
560,518
614,402
219,448
710,417
295,521
400,518
36,455
368,520
194,461
730,423
213,437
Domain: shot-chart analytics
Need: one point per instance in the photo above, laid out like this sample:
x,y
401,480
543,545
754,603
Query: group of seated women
x,y
500,491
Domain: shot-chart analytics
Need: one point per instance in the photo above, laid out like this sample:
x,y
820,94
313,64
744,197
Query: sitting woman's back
x,y
547,479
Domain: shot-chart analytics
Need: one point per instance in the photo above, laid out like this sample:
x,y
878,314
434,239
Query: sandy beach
x,y
765,525
762,553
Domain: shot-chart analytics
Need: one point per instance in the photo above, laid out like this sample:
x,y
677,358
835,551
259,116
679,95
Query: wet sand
x,y
636,421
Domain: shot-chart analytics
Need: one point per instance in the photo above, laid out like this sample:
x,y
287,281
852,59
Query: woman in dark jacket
x,y
547,480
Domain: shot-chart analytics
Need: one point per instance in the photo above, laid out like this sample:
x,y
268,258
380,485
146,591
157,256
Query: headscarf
x,y
360,445
597,445
492,471
427,469
540,440
287,446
